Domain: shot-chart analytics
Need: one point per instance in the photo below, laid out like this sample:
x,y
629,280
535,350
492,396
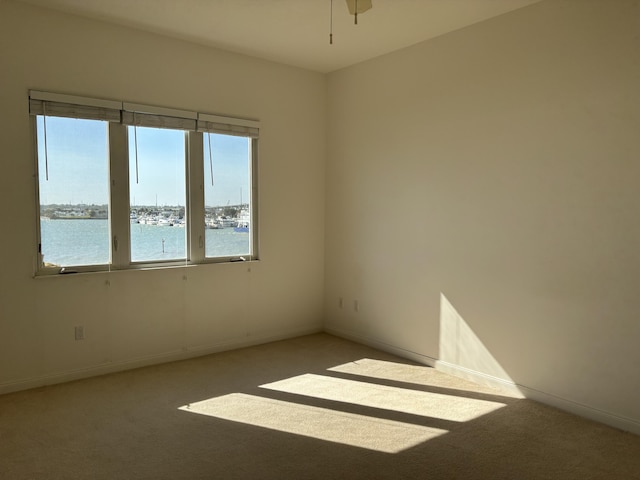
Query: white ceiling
x,y
294,32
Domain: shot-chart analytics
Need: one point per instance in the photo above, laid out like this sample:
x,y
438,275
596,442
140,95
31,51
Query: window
x,y
73,165
157,186
122,185
227,195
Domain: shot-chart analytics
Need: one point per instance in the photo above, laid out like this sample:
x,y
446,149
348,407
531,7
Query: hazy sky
x,y
77,152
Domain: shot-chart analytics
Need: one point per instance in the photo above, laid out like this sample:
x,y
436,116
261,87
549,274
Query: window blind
x,y
61,105
228,125
158,117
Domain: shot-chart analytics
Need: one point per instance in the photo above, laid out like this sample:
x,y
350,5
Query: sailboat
x,y
243,219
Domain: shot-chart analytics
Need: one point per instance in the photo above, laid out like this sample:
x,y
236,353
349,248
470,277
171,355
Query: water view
x,y
72,242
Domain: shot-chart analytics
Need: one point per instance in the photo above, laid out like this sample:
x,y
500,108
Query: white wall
x,y
497,168
136,317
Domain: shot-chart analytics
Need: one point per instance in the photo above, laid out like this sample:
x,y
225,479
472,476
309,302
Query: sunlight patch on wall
x,y
333,426
460,346
434,405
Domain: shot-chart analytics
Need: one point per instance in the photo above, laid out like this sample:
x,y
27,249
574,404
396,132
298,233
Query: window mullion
x,y
255,240
195,194
119,208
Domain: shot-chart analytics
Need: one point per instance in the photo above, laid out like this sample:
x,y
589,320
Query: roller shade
x,y
59,105
228,125
158,117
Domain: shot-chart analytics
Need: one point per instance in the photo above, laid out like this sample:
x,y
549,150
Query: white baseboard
x,y
480,378
385,347
613,420
570,406
183,354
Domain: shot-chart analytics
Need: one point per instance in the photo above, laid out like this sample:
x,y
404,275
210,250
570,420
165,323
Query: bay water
x,y
73,242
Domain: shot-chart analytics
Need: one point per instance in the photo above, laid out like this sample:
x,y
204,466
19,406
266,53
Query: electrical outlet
x,y
79,330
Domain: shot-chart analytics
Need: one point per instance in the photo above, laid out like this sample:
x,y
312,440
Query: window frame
x,y
193,124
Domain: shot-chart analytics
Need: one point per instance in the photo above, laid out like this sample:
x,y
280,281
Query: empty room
x,y
319,239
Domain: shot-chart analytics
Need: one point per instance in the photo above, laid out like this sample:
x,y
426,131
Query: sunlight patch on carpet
x,y
435,405
385,370
333,426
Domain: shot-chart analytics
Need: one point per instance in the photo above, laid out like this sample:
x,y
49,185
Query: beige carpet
x,y
312,407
